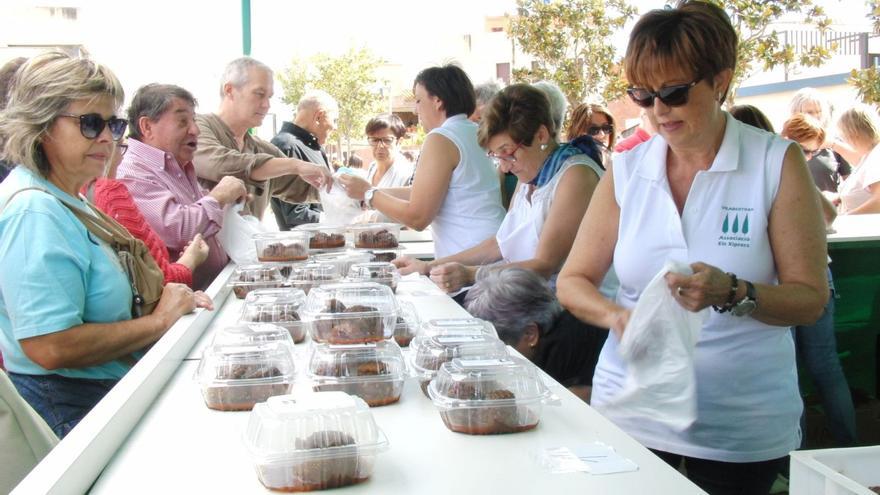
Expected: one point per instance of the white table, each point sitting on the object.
(180, 446)
(853, 228)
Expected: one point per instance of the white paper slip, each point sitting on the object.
(594, 458)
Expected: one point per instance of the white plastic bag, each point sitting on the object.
(339, 209)
(658, 348)
(237, 233)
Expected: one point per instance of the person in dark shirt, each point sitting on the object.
(304, 138)
(529, 318)
(827, 167)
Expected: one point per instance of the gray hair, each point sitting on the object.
(43, 88)
(317, 99)
(152, 101)
(805, 96)
(512, 298)
(558, 103)
(486, 91)
(236, 72)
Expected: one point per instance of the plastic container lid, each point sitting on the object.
(245, 333)
(313, 441)
(380, 272)
(459, 326)
(342, 260)
(429, 352)
(376, 235)
(407, 324)
(351, 313)
(278, 306)
(235, 377)
(291, 245)
(488, 396)
(307, 275)
(373, 372)
(246, 278)
(324, 236)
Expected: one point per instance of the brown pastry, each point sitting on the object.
(402, 334)
(349, 330)
(232, 397)
(283, 315)
(387, 257)
(251, 280)
(323, 472)
(321, 240)
(484, 419)
(278, 251)
(380, 239)
(374, 392)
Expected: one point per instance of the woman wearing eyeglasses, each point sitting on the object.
(556, 182)
(735, 203)
(65, 302)
(456, 190)
(597, 122)
(389, 168)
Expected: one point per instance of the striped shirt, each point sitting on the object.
(174, 204)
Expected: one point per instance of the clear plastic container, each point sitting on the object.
(407, 324)
(489, 396)
(350, 313)
(458, 326)
(278, 306)
(313, 441)
(246, 278)
(325, 237)
(234, 378)
(376, 235)
(244, 334)
(386, 256)
(429, 352)
(292, 245)
(373, 372)
(307, 275)
(380, 272)
(342, 260)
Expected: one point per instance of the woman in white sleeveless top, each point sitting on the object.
(455, 189)
(556, 182)
(724, 197)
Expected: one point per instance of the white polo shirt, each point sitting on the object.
(748, 404)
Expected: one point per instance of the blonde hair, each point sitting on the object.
(579, 122)
(802, 128)
(860, 124)
(43, 88)
(806, 96)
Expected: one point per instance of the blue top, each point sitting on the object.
(54, 274)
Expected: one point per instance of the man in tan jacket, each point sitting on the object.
(226, 147)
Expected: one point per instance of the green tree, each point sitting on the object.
(762, 46)
(867, 81)
(571, 42)
(350, 78)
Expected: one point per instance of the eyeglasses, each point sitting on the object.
(122, 148)
(594, 130)
(387, 141)
(508, 157)
(808, 153)
(671, 96)
(91, 125)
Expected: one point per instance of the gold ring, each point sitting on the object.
(680, 290)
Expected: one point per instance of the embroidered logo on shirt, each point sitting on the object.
(735, 227)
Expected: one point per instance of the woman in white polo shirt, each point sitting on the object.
(455, 189)
(725, 197)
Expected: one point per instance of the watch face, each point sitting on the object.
(744, 307)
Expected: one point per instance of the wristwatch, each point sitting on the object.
(746, 305)
(368, 197)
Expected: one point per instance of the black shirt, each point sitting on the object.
(827, 169)
(569, 350)
(296, 142)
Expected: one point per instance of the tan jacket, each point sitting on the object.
(218, 155)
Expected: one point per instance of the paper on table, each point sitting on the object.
(594, 458)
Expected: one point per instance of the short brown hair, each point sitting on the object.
(386, 121)
(751, 115)
(519, 110)
(803, 127)
(579, 122)
(695, 37)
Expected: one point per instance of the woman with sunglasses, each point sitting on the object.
(66, 326)
(455, 190)
(556, 182)
(735, 203)
(597, 122)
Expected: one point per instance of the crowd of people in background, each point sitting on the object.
(546, 222)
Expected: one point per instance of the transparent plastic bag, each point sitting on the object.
(658, 348)
(237, 233)
(339, 209)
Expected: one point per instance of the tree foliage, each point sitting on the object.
(350, 78)
(571, 43)
(761, 46)
(867, 81)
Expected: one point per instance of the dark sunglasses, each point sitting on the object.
(91, 125)
(671, 96)
(594, 130)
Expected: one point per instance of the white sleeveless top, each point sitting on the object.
(748, 404)
(471, 211)
(854, 190)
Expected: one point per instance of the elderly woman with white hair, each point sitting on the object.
(529, 318)
(829, 164)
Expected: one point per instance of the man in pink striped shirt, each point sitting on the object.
(159, 173)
